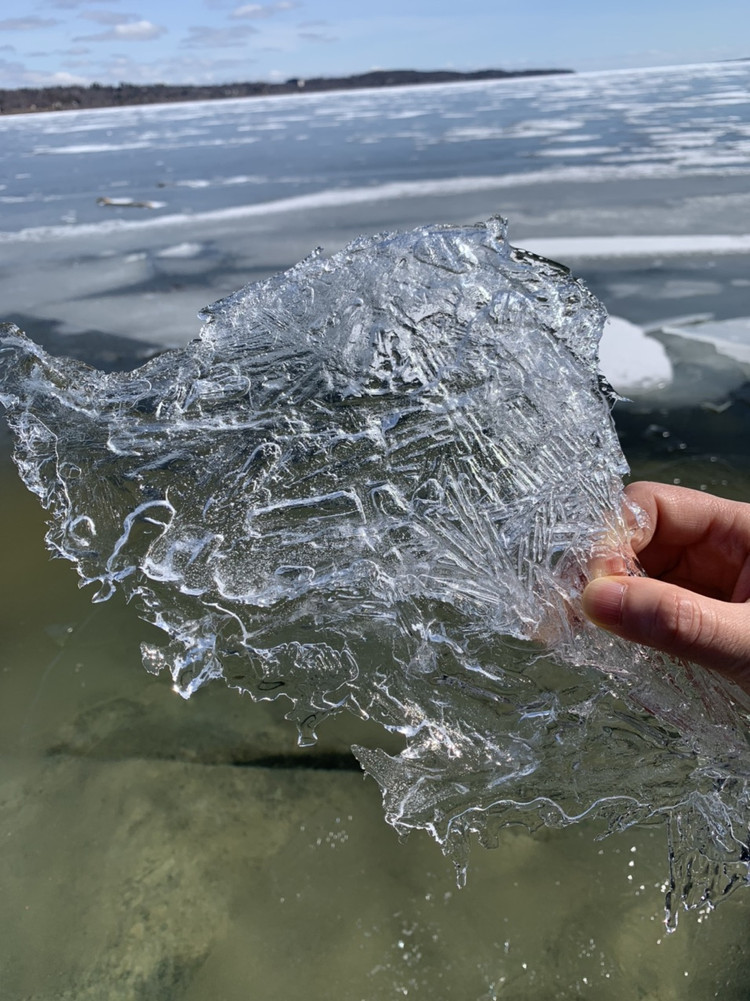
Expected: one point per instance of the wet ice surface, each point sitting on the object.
(375, 484)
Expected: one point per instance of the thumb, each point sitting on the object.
(715, 634)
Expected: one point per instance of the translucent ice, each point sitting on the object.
(375, 483)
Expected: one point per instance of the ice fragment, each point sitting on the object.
(375, 483)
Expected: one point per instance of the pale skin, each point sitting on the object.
(695, 602)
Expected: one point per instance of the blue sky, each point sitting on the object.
(47, 42)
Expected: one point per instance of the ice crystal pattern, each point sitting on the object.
(375, 483)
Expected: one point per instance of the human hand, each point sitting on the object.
(695, 603)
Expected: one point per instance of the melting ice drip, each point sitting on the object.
(375, 483)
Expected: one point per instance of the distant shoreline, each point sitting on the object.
(27, 100)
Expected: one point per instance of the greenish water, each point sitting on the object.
(161, 849)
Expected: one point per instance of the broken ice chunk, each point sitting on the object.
(375, 483)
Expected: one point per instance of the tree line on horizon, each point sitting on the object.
(23, 100)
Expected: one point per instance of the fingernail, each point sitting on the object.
(602, 601)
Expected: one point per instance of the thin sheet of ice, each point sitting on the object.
(729, 337)
(375, 483)
(596, 247)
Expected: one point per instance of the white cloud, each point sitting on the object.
(261, 10)
(138, 30)
(201, 37)
(27, 23)
(132, 31)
